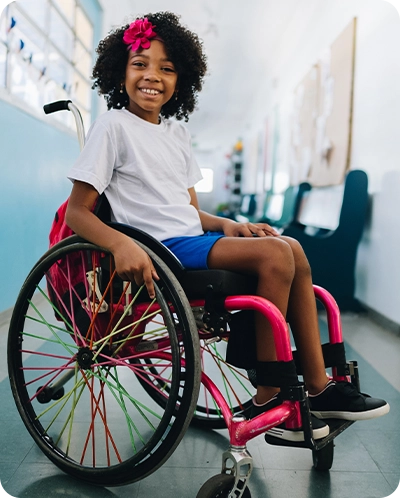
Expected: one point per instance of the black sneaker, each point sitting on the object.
(319, 429)
(342, 400)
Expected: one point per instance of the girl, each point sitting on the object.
(149, 71)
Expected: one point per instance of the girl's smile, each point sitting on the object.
(150, 81)
(150, 91)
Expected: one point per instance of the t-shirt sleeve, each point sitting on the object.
(95, 163)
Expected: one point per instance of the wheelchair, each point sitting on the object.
(107, 380)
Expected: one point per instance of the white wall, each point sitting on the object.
(376, 125)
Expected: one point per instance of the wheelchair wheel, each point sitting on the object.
(219, 486)
(323, 458)
(232, 382)
(76, 335)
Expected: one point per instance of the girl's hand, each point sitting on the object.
(133, 264)
(249, 230)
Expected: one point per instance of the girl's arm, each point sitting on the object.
(231, 228)
(131, 261)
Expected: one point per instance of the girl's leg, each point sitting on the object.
(271, 259)
(284, 278)
(303, 319)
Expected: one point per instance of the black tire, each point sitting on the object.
(219, 486)
(96, 423)
(232, 382)
(323, 458)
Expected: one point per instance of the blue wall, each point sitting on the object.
(35, 159)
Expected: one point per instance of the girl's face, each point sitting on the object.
(150, 81)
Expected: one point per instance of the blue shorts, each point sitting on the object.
(193, 252)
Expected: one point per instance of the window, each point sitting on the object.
(206, 185)
(46, 51)
(67, 8)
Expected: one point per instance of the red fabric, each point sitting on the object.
(57, 275)
(59, 229)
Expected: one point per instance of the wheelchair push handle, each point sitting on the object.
(59, 105)
(67, 105)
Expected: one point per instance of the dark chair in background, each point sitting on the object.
(332, 252)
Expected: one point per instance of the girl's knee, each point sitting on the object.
(300, 259)
(278, 262)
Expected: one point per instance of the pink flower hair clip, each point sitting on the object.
(139, 34)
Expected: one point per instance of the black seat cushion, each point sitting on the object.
(194, 282)
(225, 283)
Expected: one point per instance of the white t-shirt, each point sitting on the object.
(144, 170)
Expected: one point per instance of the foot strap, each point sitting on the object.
(276, 373)
(334, 356)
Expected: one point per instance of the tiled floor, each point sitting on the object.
(366, 463)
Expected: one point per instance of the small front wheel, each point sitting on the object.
(220, 486)
(323, 458)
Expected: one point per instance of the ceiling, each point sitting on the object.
(247, 43)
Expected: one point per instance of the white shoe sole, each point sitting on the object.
(370, 414)
(297, 436)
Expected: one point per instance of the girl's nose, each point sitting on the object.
(152, 75)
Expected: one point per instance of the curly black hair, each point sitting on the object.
(184, 49)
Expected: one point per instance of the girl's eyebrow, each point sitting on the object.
(135, 54)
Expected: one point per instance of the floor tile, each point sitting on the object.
(394, 482)
(313, 484)
(7, 470)
(380, 346)
(383, 448)
(40, 480)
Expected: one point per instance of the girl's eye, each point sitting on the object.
(169, 69)
(138, 64)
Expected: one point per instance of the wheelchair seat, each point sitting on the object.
(194, 282)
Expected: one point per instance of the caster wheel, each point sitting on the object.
(219, 486)
(323, 458)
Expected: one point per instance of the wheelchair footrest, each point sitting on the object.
(336, 426)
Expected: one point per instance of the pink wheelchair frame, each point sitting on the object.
(293, 413)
